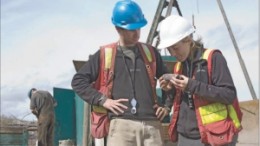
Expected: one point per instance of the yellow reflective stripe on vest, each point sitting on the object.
(108, 57)
(206, 54)
(233, 115)
(99, 109)
(212, 113)
(147, 53)
(216, 112)
(177, 66)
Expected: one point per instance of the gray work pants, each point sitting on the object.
(124, 132)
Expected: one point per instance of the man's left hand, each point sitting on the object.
(161, 112)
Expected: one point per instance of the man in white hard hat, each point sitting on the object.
(203, 89)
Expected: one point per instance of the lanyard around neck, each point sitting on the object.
(132, 80)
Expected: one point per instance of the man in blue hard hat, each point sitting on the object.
(130, 98)
(42, 106)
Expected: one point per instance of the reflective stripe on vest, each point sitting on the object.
(206, 54)
(108, 57)
(147, 53)
(216, 112)
(177, 67)
(233, 114)
(212, 113)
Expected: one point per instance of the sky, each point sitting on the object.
(39, 40)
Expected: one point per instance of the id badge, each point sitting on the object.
(133, 103)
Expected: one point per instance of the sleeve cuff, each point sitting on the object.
(167, 108)
(102, 100)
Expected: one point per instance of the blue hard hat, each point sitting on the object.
(128, 15)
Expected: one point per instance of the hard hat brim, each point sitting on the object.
(132, 26)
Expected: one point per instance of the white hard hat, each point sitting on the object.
(173, 29)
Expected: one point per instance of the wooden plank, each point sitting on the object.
(12, 129)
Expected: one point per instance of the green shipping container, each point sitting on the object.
(65, 124)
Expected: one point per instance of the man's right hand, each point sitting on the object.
(115, 106)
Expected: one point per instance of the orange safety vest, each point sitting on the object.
(217, 122)
(104, 82)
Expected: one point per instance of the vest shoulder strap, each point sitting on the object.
(207, 55)
(107, 56)
(148, 54)
(104, 81)
(177, 68)
(106, 69)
